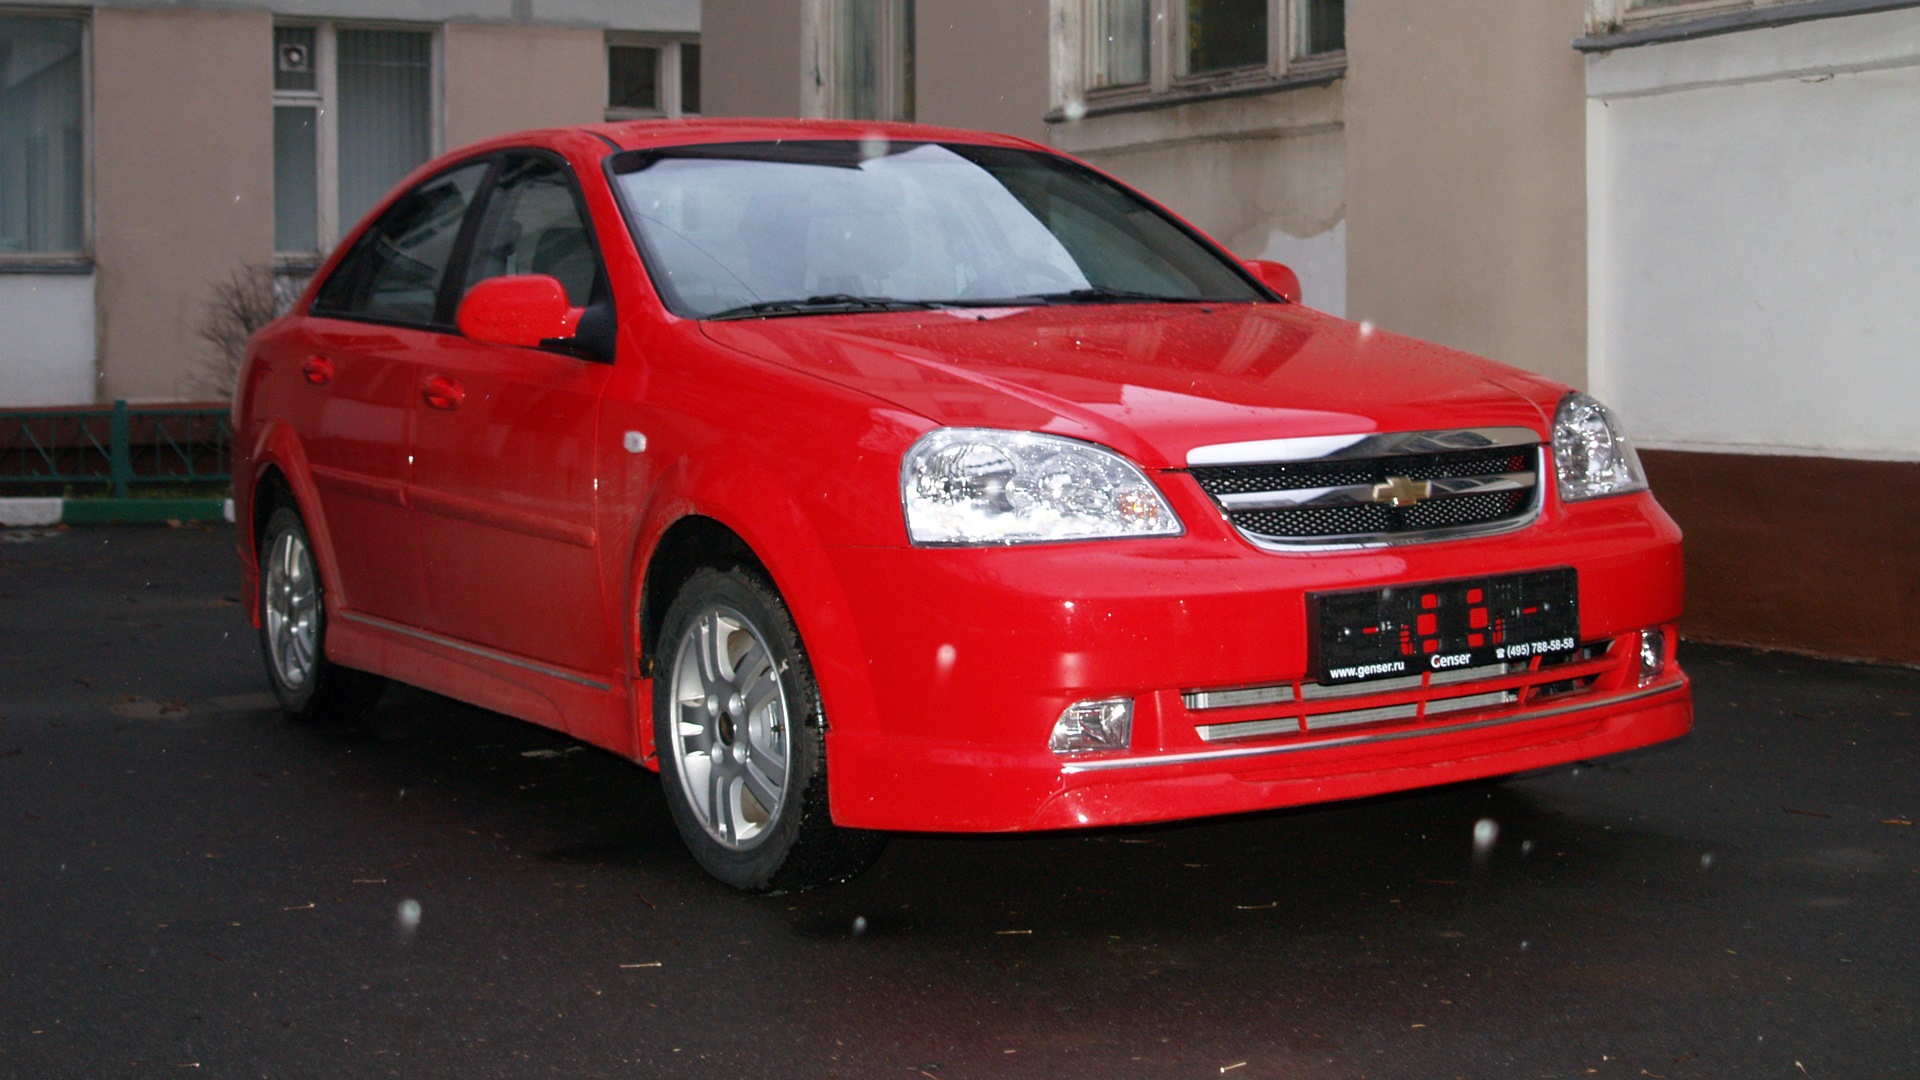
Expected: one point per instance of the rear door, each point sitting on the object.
(505, 461)
(358, 378)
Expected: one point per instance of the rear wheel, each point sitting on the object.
(741, 739)
(293, 632)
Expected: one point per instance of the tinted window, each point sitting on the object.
(395, 270)
(532, 225)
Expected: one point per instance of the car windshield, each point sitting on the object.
(745, 230)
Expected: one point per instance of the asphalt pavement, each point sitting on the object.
(190, 886)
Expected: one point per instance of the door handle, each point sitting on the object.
(442, 392)
(317, 370)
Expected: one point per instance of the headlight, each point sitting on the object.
(984, 486)
(1591, 455)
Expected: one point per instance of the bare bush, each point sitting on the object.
(249, 299)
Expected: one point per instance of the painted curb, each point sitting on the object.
(22, 513)
(18, 513)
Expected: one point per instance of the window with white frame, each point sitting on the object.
(649, 75)
(862, 59)
(1146, 48)
(354, 110)
(42, 138)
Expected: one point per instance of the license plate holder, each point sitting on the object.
(1362, 634)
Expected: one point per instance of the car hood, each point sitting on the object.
(1153, 381)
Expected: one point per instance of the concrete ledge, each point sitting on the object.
(1760, 18)
(20, 513)
(15, 513)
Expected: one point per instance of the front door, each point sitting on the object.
(505, 451)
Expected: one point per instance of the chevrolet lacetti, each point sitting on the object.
(870, 478)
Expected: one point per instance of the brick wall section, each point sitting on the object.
(1818, 555)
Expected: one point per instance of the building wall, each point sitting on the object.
(1465, 189)
(1265, 175)
(1753, 232)
(982, 64)
(180, 126)
(750, 57)
(46, 346)
(1755, 238)
(556, 76)
(183, 183)
(676, 16)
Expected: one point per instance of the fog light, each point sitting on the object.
(1093, 725)
(1653, 655)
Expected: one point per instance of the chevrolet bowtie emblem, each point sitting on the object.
(1401, 491)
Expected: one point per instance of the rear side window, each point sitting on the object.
(395, 270)
(532, 225)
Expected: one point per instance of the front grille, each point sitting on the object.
(1463, 489)
(1466, 510)
(1314, 521)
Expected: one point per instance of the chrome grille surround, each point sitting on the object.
(1317, 492)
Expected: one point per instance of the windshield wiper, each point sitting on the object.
(827, 304)
(1106, 294)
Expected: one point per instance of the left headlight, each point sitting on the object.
(1591, 454)
(986, 486)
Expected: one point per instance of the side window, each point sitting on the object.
(395, 270)
(532, 225)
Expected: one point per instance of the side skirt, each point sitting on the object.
(587, 706)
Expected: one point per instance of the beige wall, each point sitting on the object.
(750, 57)
(511, 78)
(982, 64)
(979, 63)
(1264, 175)
(1466, 184)
(183, 183)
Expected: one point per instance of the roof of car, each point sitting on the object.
(638, 134)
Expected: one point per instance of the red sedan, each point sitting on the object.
(871, 478)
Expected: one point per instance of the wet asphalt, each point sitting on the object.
(190, 886)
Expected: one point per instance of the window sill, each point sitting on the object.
(1110, 106)
(46, 264)
(1734, 22)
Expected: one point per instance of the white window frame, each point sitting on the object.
(672, 98)
(818, 99)
(66, 261)
(324, 98)
(1075, 58)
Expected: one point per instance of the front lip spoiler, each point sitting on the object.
(1150, 761)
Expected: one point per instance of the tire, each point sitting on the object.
(738, 725)
(293, 632)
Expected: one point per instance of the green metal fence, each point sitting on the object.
(115, 446)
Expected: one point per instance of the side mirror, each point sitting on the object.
(1277, 276)
(527, 310)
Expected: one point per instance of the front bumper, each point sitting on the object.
(970, 655)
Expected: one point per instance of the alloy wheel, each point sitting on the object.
(729, 721)
(292, 609)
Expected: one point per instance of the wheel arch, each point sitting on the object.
(692, 542)
(279, 477)
(780, 544)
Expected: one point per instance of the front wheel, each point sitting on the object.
(293, 632)
(741, 738)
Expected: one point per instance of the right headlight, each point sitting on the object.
(1591, 454)
(988, 486)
